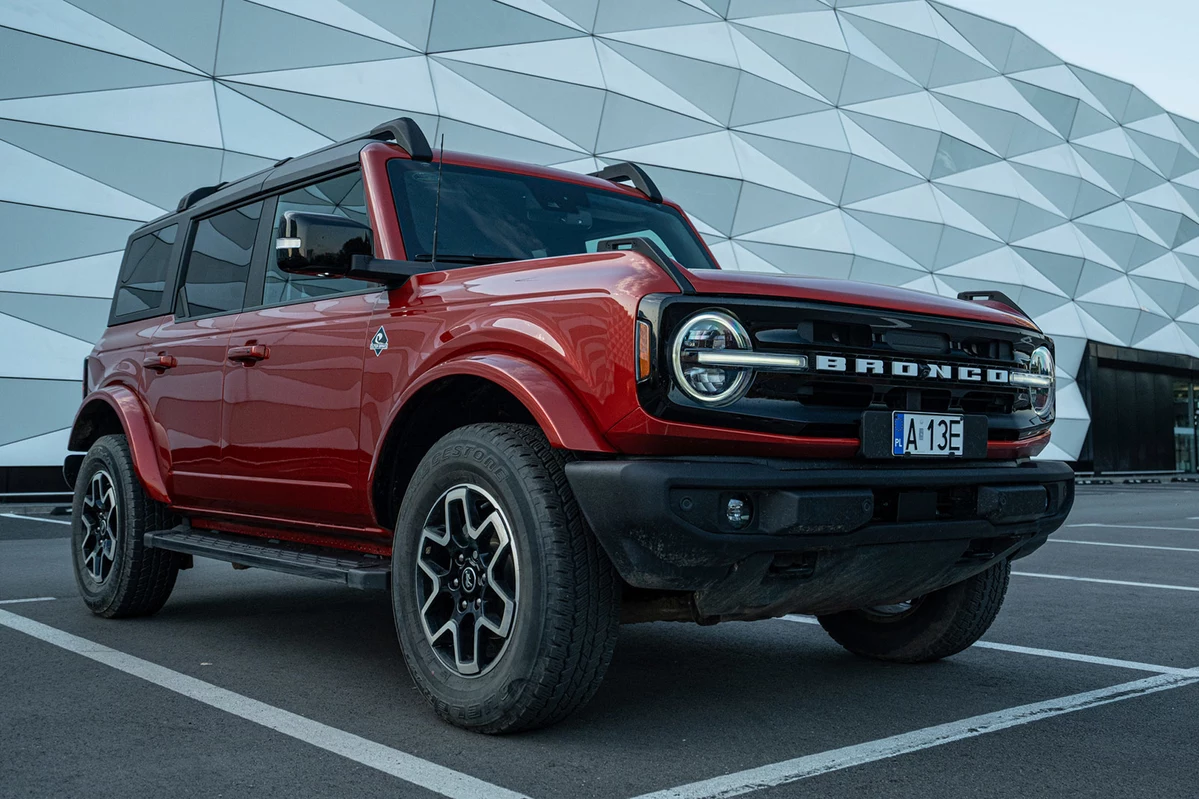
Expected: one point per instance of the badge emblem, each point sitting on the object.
(379, 342)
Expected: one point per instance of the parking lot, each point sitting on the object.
(256, 684)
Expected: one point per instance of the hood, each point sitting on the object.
(848, 292)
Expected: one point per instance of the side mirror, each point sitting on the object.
(320, 244)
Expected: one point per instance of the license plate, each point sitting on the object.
(926, 434)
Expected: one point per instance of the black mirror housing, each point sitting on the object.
(320, 244)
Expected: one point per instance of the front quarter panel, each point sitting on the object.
(571, 318)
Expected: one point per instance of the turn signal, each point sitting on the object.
(643, 350)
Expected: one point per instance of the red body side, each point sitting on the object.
(294, 439)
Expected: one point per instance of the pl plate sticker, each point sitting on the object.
(379, 342)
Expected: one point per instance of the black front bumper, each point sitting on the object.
(822, 536)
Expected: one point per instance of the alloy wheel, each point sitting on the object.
(101, 526)
(467, 580)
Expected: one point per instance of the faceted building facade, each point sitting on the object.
(906, 143)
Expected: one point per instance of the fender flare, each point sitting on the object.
(136, 424)
(560, 415)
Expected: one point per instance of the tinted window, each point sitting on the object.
(341, 196)
(143, 275)
(503, 216)
(220, 262)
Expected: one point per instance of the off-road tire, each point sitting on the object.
(568, 609)
(943, 623)
(140, 579)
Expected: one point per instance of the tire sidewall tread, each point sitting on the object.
(568, 609)
(142, 578)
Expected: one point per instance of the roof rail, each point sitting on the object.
(407, 134)
(633, 174)
(195, 195)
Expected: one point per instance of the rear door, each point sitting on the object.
(294, 381)
(185, 362)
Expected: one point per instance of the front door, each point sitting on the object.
(293, 383)
(186, 357)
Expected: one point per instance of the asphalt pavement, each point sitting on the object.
(250, 683)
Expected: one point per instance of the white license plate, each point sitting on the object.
(926, 434)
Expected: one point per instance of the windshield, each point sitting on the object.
(488, 216)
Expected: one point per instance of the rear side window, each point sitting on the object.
(219, 265)
(144, 273)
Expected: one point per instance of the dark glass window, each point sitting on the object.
(220, 262)
(487, 215)
(144, 273)
(340, 196)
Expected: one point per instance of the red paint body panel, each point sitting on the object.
(288, 445)
(187, 404)
(290, 421)
(570, 344)
(845, 292)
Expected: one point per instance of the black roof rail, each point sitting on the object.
(407, 134)
(195, 195)
(633, 174)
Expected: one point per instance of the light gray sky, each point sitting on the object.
(1152, 44)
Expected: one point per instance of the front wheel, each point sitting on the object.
(506, 607)
(927, 628)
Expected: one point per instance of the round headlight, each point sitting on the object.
(713, 384)
(1041, 363)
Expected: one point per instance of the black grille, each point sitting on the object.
(831, 403)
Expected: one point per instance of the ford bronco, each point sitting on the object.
(529, 405)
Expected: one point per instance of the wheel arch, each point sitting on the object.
(494, 387)
(117, 410)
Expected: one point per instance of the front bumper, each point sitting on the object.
(824, 536)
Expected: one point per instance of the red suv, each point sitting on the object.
(530, 405)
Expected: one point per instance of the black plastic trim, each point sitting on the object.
(353, 569)
(407, 134)
(633, 174)
(640, 514)
(648, 248)
(993, 296)
(195, 195)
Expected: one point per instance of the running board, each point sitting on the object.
(354, 569)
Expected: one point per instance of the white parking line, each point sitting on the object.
(1122, 546)
(1107, 582)
(1046, 653)
(23, 601)
(412, 769)
(1135, 527)
(800, 768)
(1079, 658)
(34, 518)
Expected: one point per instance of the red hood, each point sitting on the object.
(848, 292)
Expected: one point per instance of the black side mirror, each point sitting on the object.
(320, 244)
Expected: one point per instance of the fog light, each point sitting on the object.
(739, 511)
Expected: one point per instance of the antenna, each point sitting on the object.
(437, 201)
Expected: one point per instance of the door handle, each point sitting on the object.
(160, 362)
(249, 354)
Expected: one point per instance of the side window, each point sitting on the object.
(143, 275)
(340, 196)
(215, 281)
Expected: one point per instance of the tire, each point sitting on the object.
(551, 581)
(935, 626)
(118, 576)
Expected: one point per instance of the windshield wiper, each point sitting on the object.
(452, 258)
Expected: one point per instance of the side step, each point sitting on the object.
(356, 570)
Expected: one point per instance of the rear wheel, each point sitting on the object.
(117, 574)
(506, 608)
(926, 628)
